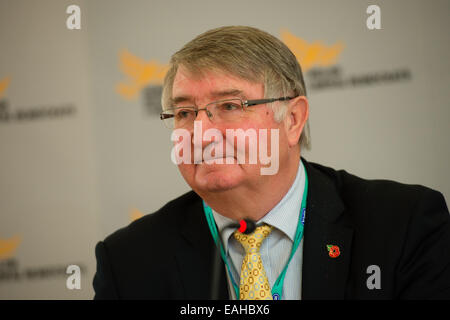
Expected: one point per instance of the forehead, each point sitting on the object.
(211, 85)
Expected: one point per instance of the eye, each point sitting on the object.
(229, 106)
(183, 113)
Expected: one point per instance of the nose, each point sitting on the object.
(206, 112)
(203, 122)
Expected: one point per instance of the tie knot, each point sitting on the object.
(253, 240)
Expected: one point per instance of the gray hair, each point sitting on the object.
(248, 53)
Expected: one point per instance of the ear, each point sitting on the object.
(295, 120)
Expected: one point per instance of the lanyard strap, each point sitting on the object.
(215, 234)
(277, 289)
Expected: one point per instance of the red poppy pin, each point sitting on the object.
(333, 251)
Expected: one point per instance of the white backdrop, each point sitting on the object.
(83, 151)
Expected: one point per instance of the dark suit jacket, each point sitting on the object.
(402, 229)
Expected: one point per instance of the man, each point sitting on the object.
(313, 232)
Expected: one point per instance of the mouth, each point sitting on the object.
(217, 160)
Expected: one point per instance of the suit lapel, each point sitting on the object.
(195, 255)
(325, 275)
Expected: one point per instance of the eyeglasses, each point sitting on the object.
(222, 111)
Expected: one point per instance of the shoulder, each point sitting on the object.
(143, 252)
(164, 223)
(383, 204)
(380, 193)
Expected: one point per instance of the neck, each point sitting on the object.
(254, 203)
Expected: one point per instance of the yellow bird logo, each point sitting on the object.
(140, 74)
(9, 246)
(311, 54)
(4, 84)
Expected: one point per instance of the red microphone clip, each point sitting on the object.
(243, 226)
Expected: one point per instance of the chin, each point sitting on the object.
(216, 178)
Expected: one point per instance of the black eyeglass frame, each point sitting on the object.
(246, 103)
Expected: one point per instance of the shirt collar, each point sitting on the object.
(281, 216)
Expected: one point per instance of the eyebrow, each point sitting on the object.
(215, 94)
(227, 93)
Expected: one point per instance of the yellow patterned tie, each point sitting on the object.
(254, 284)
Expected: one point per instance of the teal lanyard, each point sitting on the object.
(277, 289)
